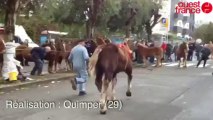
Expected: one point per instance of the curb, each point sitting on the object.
(34, 82)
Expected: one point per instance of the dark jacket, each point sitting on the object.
(205, 52)
(198, 48)
(169, 49)
(38, 53)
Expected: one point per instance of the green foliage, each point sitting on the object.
(204, 32)
(143, 8)
(68, 16)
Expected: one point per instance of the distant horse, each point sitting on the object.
(145, 52)
(64, 49)
(23, 54)
(111, 60)
(182, 52)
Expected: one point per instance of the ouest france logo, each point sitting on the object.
(193, 7)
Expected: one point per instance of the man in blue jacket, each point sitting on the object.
(80, 58)
(38, 55)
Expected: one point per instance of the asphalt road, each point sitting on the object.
(167, 93)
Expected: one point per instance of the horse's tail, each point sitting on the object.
(93, 61)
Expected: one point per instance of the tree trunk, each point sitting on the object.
(10, 18)
(129, 22)
(148, 31)
(128, 31)
(89, 30)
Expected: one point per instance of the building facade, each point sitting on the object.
(181, 24)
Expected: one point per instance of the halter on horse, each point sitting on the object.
(111, 60)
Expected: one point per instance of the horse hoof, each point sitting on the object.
(103, 112)
(128, 94)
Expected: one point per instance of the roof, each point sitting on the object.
(54, 32)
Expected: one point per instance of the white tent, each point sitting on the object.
(21, 33)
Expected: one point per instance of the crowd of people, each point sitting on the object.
(80, 58)
(201, 51)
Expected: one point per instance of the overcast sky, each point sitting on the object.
(202, 16)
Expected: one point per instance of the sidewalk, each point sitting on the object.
(5, 86)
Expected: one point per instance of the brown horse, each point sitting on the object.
(111, 60)
(63, 51)
(182, 52)
(60, 54)
(23, 54)
(145, 52)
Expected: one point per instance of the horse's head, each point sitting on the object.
(60, 45)
(183, 47)
(100, 41)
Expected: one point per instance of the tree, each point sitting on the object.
(134, 16)
(204, 32)
(10, 18)
(12, 8)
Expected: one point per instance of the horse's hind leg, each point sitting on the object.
(129, 73)
(145, 62)
(113, 82)
(103, 104)
(179, 63)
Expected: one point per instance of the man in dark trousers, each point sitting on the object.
(38, 55)
(204, 55)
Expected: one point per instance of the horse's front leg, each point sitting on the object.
(56, 65)
(185, 66)
(103, 103)
(129, 73)
(179, 63)
(145, 61)
(66, 64)
(157, 62)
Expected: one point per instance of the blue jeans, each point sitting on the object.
(82, 77)
(37, 67)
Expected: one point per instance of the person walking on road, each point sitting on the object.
(38, 55)
(205, 52)
(80, 58)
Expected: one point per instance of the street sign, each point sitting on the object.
(164, 20)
